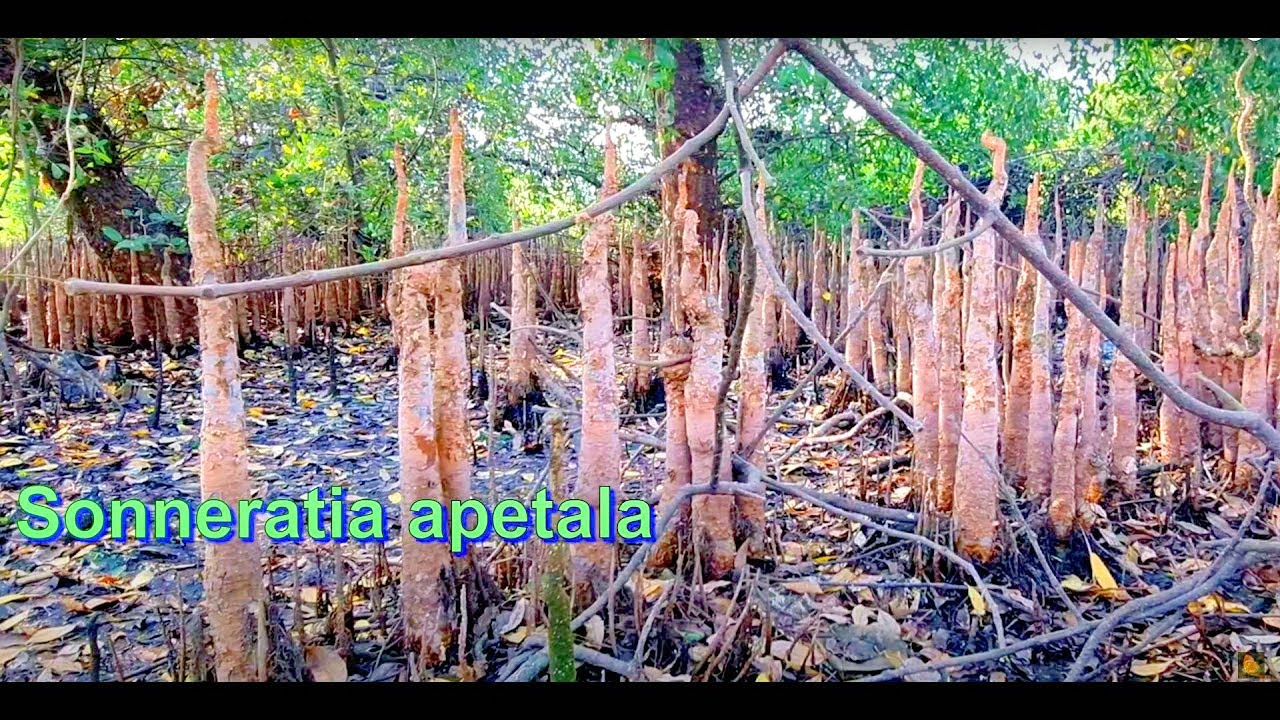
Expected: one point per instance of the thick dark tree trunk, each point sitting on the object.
(697, 102)
(351, 153)
(110, 199)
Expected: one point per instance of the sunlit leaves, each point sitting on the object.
(535, 110)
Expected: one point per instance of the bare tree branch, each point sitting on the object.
(421, 257)
(1034, 253)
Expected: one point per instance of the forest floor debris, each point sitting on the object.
(835, 601)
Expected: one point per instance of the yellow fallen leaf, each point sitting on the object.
(10, 462)
(44, 467)
(1101, 575)
(142, 579)
(1230, 606)
(517, 636)
(762, 677)
(395, 498)
(1206, 604)
(653, 589)
(1251, 667)
(1150, 669)
(1075, 584)
(1214, 603)
(13, 597)
(979, 603)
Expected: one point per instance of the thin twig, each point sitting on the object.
(981, 227)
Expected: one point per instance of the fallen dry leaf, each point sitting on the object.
(845, 576)
(14, 621)
(325, 664)
(142, 579)
(7, 654)
(792, 552)
(595, 631)
(46, 635)
(1075, 584)
(653, 588)
(804, 587)
(1214, 603)
(1150, 669)
(62, 665)
(1101, 575)
(798, 654)
(979, 603)
(1250, 667)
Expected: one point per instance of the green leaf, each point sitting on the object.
(136, 243)
(634, 56)
(113, 235)
(664, 56)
